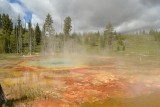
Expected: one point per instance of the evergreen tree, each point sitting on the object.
(37, 34)
(108, 33)
(7, 30)
(30, 37)
(67, 26)
(33, 40)
(48, 26)
(16, 39)
(48, 37)
(19, 35)
(120, 42)
(0, 21)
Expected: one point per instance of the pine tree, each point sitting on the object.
(67, 26)
(48, 37)
(15, 42)
(20, 35)
(16, 38)
(48, 26)
(7, 30)
(33, 40)
(0, 21)
(108, 33)
(30, 37)
(37, 34)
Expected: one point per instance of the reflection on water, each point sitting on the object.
(54, 63)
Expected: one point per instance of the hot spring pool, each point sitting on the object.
(52, 63)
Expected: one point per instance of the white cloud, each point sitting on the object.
(35, 20)
(13, 9)
(92, 15)
(131, 26)
(40, 9)
(18, 9)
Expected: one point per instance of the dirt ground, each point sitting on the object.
(93, 81)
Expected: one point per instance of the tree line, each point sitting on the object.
(18, 39)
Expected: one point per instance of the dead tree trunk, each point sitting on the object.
(2, 96)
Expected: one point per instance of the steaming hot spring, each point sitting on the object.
(75, 80)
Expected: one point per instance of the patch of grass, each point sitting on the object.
(136, 45)
(22, 92)
(9, 56)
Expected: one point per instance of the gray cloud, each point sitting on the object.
(150, 2)
(95, 14)
(125, 15)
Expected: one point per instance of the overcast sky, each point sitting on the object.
(88, 15)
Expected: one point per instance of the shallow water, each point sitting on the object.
(54, 63)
